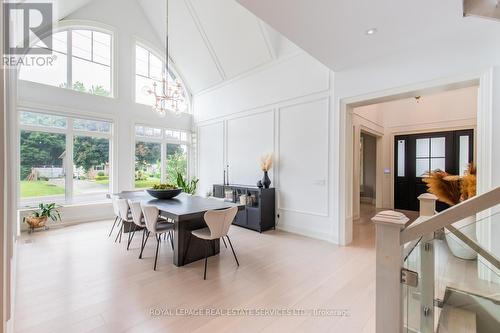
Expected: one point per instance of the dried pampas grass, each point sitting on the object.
(469, 183)
(444, 187)
(452, 189)
(266, 162)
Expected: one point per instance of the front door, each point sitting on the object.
(417, 154)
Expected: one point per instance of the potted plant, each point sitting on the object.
(39, 217)
(187, 186)
(452, 190)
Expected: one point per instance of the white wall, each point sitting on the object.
(211, 162)
(283, 108)
(126, 18)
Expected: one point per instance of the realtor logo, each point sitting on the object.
(24, 25)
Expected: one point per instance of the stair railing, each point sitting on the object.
(396, 238)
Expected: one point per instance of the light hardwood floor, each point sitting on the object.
(76, 279)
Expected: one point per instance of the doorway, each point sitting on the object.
(348, 116)
(418, 154)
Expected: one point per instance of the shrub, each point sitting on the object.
(99, 177)
(140, 175)
(101, 174)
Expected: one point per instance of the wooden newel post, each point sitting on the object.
(427, 204)
(388, 304)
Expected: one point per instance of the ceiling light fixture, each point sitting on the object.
(371, 31)
(170, 97)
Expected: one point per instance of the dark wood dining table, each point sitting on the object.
(187, 212)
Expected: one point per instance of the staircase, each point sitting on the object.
(440, 292)
(456, 320)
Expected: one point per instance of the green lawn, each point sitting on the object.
(146, 183)
(102, 182)
(39, 188)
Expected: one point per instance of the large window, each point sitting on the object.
(160, 154)
(82, 62)
(149, 71)
(63, 159)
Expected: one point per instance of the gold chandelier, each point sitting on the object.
(169, 95)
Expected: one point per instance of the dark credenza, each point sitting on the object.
(259, 213)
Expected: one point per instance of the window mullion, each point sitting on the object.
(69, 62)
(69, 162)
(92, 46)
(149, 64)
(164, 162)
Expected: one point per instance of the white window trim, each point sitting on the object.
(70, 135)
(68, 25)
(163, 142)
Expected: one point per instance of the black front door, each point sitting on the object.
(417, 154)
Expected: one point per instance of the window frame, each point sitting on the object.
(70, 134)
(172, 72)
(69, 26)
(430, 157)
(163, 141)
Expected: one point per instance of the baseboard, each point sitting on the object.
(74, 214)
(9, 326)
(59, 225)
(307, 233)
(368, 200)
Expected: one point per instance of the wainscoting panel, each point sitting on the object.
(248, 138)
(303, 147)
(210, 156)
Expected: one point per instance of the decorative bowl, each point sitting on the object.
(164, 194)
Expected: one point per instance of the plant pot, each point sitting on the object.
(36, 222)
(459, 249)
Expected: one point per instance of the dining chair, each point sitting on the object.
(218, 222)
(116, 211)
(138, 219)
(125, 217)
(156, 226)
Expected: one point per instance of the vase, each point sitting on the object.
(459, 249)
(266, 181)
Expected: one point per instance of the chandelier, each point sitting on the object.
(168, 95)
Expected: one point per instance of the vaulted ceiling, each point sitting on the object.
(213, 41)
(334, 31)
(210, 41)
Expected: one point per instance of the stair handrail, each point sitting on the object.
(395, 239)
(454, 214)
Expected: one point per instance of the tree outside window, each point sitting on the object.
(147, 164)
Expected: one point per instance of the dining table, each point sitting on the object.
(187, 213)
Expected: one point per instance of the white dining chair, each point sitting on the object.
(156, 226)
(218, 222)
(138, 219)
(116, 212)
(125, 217)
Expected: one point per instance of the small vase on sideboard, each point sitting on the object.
(266, 181)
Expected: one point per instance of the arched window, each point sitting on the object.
(82, 61)
(151, 69)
